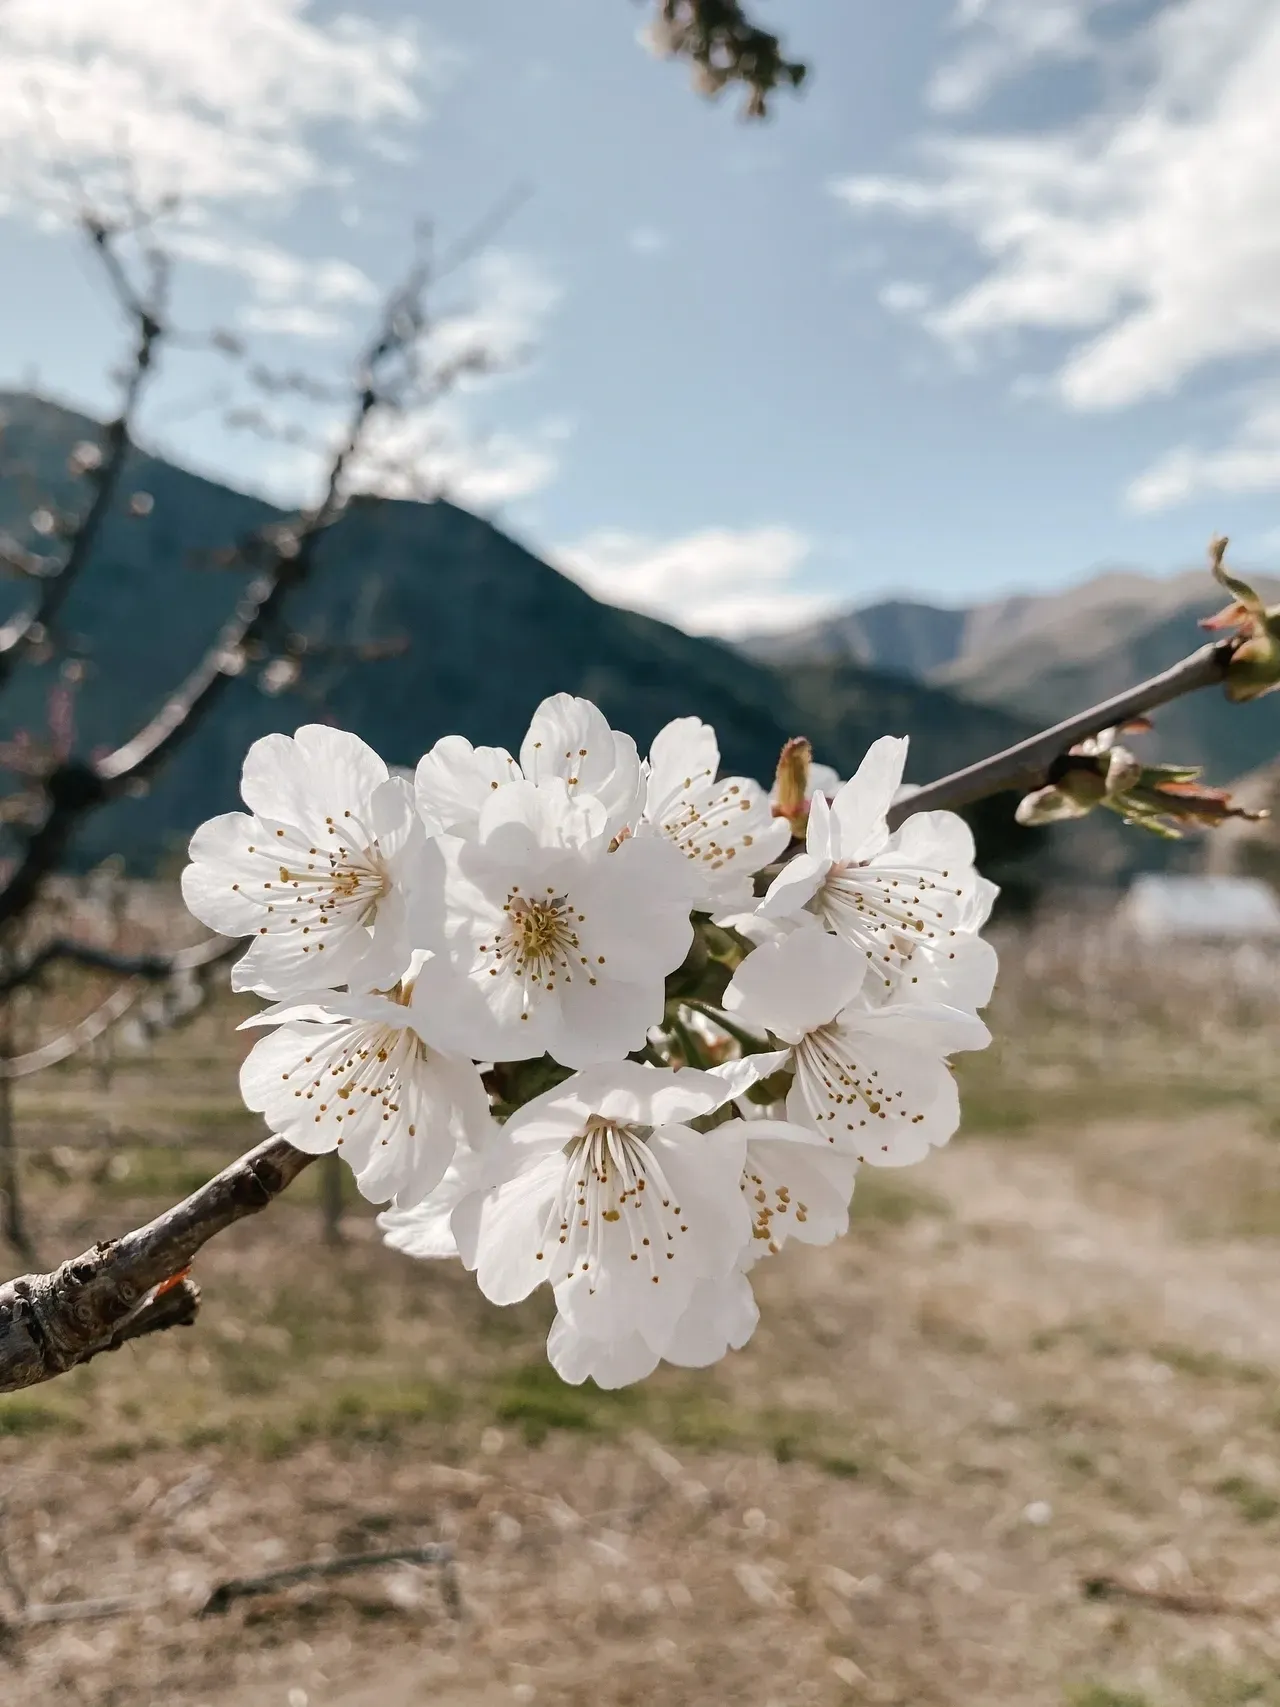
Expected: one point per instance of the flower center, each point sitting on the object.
(843, 1094)
(539, 941)
(889, 914)
(615, 1204)
(357, 1073)
(346, 876)
(768, 1199)
(709, 830)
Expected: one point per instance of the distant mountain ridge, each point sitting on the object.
(491, 628)
(1042, 657)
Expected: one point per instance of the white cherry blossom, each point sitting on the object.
(425, 1229)
(961, 970)
(330, 857)
(453, 781)
(795, 1186)
(896, 897)
(569, 740)
(721, 1316)
(356, 1074)
(613, 1199)
(726, 829)
(553, 941)
(874, 1081)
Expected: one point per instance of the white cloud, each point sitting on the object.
(1002, 38)
(1249, 462)
(439, 453)
(225, 105)
(1147, 233)
(215, 100)
(722, 581)
(509, 299)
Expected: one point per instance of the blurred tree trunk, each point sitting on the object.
(15, 1227)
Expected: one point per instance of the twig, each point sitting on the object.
(77, 787)
(69, 1043)
(120, 1289)
(79, 1611)
(436, 1553)
(1029, 764)
(154, 968)
(55, 588)
(1194, 1603)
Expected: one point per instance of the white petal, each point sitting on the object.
(637, 902)
(453, 781)
(500, 1232)
(979, 898)
(797, 1184)
(646, 1287)
(794, 886)
(721, 1316)
(684, 756)
(859, 808)
(930, 1026)
(874, 1096)
(570, 739)
(319, 771)
(795, 985)
(526, 815)
(222, 886)
(932, 841)
(629, 1092)
(612, 1363)
(962, 975)
(425, 1230)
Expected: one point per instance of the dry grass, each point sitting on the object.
(1046, 1358)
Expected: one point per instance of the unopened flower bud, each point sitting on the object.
(1074, 796)
(791, 784)
(1254, 665)
(1123, 771)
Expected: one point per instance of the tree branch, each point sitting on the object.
(152, 967)
(1030, 763)
(125, 1288)
(433, 1553)
(56, 587)
(78, 787)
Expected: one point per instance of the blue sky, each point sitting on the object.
(994, 303)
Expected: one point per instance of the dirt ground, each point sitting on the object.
(1015, 1441)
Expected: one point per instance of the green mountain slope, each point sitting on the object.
(491, 630)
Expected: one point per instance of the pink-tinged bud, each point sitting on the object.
(791, 784)
(1254, 665)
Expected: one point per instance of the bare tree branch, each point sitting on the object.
(153, 968)
(124, 1288)
(1030, 763)
(77, 787)
(145, 313)
(433, 1553)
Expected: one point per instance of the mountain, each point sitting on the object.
(1043, 657)
(490, 630)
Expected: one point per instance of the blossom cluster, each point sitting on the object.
(597, 1021)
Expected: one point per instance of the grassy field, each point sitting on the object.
(1015, 1441)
